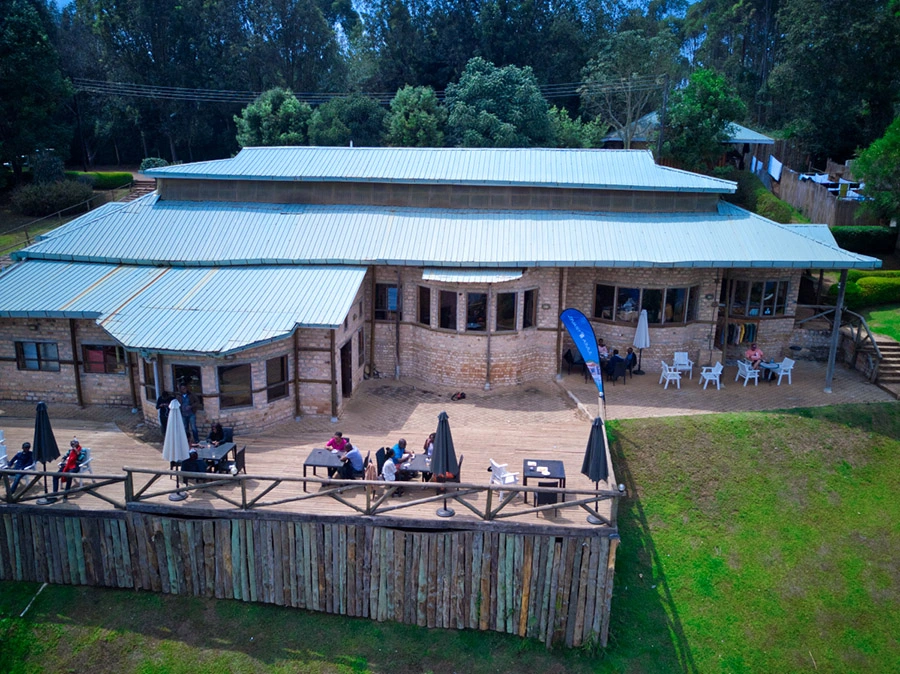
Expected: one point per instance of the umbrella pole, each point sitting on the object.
(445, 511)
(178, 495)
(46, 500)
(594, 519)
(640, 355)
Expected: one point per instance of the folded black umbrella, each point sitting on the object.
(443, 458)
(44, 445)
(595, 466)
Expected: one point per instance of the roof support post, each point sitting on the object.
(835, 331)
(563, 278)
(296, 373)
(397, 326)
(372, 322)
(132, 371)
(79, 397)
(334, 395)
(487, 321)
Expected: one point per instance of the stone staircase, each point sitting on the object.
(889, 370)
(141, 187)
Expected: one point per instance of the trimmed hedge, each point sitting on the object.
(866, 239)
(855, 274)
(153, 162)
(103, 180)
(40, 200)
(869, 291)
(770, 206)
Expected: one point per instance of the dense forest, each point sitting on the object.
(113, 81)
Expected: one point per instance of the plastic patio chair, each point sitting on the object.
(683, 364)
(669, 374)
(785, 368)
(747, 372)
(711, 374)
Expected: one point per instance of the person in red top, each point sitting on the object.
(754, 355)
(69, 464)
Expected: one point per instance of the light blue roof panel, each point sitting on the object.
(646, 126)
(471, 275)
(574, 168)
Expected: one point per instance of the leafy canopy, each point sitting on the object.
(275, 118)
(879, 167)
(355, 118)
(497, 107)
(416, 118)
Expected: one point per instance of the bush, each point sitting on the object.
(869, 291)
(153, 162)
(109, 180)
(856, 274)
(771, 207)
(40, 200)
(866, 239)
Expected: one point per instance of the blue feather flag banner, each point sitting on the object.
(582, 333)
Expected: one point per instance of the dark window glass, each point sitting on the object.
(740, 298)
(448, 310)
(506, 311)
(529, 311)
(754, 306)
(476, 312)
(387, 301)
(104, 359)
(276, 378)
(693, 301)
(149, 382)
(652, 302)
(604, 299)
(189, 375)
(676, 303)
(37, 356)
(424, 305)
(628, 304)
(781, 297)
(361, 347)
(235, 388)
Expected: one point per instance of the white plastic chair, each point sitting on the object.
(501, 476)
(785, 369)
(711, 373)
(683, 364)
(84, 467)
(747, 372)
(4, 462)
(669, 374)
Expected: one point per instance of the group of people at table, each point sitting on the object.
(608, 362)
(353, 465)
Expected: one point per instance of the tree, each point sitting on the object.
(355, 118)
(699, 119)
(416, 118)
(569, 132)
(275, 118)
(879, 167)
(626, 79)
(32, 87)
(497, 107)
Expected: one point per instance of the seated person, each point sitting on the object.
(400, 453)
(352, 467)
(194, 464)
(389, 472)
(755, 355)
(428, 447)
(337, 442)
(216, 435)
(611, 365)
(602, 350)
(69, 464)
(630, 359)
(20, 461)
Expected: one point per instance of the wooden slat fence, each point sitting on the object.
(554, 587)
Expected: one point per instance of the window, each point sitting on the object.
(104, 359)
(672, 306)
(276, 378)
(235, 388)
(675, 305)
(361, 347)
(652, 302)
(190, 376)
(424, 305)
(37, 356)
(753, 299)
(529, 314)
(447, 310)
(150, 381)
(604, 300)
(476, 312)
(628, 305)
(506, 311)
(387, 302)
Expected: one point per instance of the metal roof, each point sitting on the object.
(471, 275)
(219, 234)
(213, 310)
(573, 168)
(649, 123)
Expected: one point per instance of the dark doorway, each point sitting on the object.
(347, 369)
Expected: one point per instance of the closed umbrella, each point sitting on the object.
(44, 445)
(443, 458)
(595, 466)
(642, 338)
(175, 446)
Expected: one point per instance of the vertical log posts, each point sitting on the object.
(835, 331)
(296, 374)
(334, 398)
(487, 325)
(79, 397)
(559, 309)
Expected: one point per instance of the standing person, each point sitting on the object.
(189, 403)
(20, 461)
(755, 355)
(69, 464)
(162, 409)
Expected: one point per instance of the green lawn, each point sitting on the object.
(884, 320)
(750, 543)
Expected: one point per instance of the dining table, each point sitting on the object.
(544, 469)
(322, 458)
(771, 370)
(214, 454)
(420, 463)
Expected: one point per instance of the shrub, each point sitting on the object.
(866, 239)
(869, 291)
(40, 200)
(153, 162)
(856, 274)
(108, 180)
(771, 207)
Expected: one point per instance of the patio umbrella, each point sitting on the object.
(443, 458)
(44, 445)
(595, 466)
(642, 338)
(175, 446)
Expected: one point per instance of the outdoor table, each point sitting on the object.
(556, 470)
(321, 458)
(771, 369)
(212, 454)
(418, 464)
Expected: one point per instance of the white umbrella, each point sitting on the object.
(175, 447)
(642, 338)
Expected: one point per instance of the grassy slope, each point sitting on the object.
(884, 320)
(757, 543)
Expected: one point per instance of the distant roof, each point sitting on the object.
(573, 168)
(649, 123)
(442, 275)
(221, 234)
(183, 310)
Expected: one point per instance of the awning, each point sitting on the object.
(471, 275)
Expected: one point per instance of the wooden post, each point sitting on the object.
(559, 310)
(372, 323)
(131, 373)
(608, 589)
(78, 395)
(835, 331)
(487, 326)
(129, 487)
(334, 399)
(397, 326)
(296, 373)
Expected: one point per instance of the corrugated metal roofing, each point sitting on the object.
(739, 134)
(471, 275)
(649, 124)
(596, 169)
(215, 310)
(225, 234)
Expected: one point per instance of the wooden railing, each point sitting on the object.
(29, 489)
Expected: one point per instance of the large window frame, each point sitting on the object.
(103, 359)
(190, 375)
(424, 313)
(757, 298)
(477, 311)
(37, 356)
(235, 385)
(150, 381)
(529, 308)
(669, 306)
(448, 305)
(277, 378)
(387, 302)
(506, 313)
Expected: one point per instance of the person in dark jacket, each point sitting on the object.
(216, 434)
(189, 404)
(162, 410)
(20, 461)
